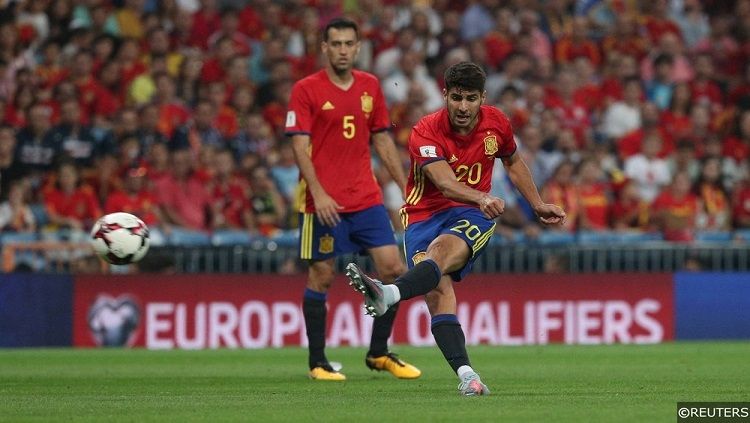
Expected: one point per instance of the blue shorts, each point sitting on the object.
(357, 231)
(467, 223)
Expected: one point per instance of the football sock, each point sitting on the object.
(419, 280)
(463, 371)
(381, 330)
(450, 338)
(314, 310)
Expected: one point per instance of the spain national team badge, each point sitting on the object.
(325, 246)
(416, 258)
(366, 102)
(490, 145)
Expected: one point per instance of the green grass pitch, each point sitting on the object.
(545, 383)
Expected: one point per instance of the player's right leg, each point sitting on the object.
(317, 247)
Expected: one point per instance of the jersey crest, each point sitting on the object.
(490, 145)
(366, 102)
(325, 246)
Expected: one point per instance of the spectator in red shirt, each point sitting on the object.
(657, 22)
(705, 90)
(230, 195)
(560, 190)
(206, 21)
(226, 119)
(676, 210)
(134, 197)
(214, 69)
(577, 43)
(499, 42)
(69, 204)
(229, 28)
(172, 111)
(572, 114)
(625, 38)
(183, 198)
(593, 197)
(630, 211)
(675, 120)
(129, 57)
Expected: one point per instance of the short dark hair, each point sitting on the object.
(465, 75)
(340, 23)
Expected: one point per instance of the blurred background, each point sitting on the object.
(632, 115)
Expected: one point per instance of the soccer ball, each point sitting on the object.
(120, 238)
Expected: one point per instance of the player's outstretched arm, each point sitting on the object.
(326, 208)
(442, 176)
(519, 173)
(386, 149)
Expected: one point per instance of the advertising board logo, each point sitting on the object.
(113, 321)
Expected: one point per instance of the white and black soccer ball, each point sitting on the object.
(120, 238)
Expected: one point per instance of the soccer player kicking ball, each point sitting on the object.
(333, 115)
(449, 214)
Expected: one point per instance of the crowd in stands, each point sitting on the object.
(632, 115)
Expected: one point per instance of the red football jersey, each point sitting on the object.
(470, 156)
(339, 123)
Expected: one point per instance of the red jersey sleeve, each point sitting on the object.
(299, 115)
(379, 121)
(424, 147)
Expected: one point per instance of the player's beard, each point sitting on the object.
(341, 69)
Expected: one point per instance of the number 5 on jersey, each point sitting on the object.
(349, 128)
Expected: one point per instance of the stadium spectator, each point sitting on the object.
(411, 72)
(650, 172)
(675, 210)
(159, 45)
(10, 169)
(267, 203)
(134, 197)
(199, 131)
(715, 211)
(577, 43)
(560, 190)
(704, 89)
(183, 197)
(675, 120)
(230, 195)
(625, 38)
(541, 163)
(71, 205)
(285, 173)
(659, 89)
(624, 116)
(77, 141)
(630, 212)
(36, 151)
(15, 213)
(476, 20)
(684, 160)
(593, 197)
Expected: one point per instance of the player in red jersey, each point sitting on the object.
(333, 116)
(449, 212)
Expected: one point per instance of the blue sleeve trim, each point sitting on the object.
(376, 130)
(291, 133)
(433, 160)
(511, 153)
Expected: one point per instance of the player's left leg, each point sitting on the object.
(388, 265)
(449, 336)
